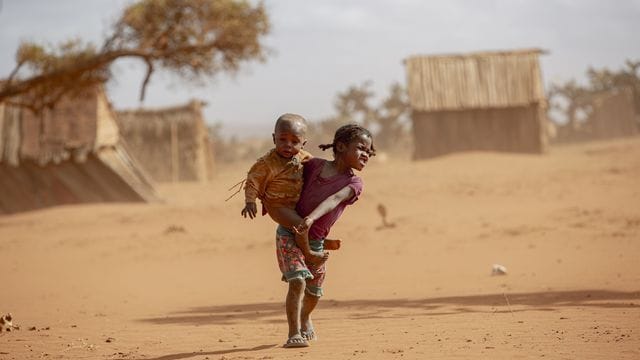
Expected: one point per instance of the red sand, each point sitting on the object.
(192, 279)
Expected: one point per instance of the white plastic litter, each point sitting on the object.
(498, 269)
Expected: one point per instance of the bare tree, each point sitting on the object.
(388, 120)
(573, 99)
(393, 119)
(191, 38)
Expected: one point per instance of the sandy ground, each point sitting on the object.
(191, 279)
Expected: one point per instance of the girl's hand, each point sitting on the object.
(304, 226)
(250, 209)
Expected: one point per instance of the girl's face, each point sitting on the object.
(356, 154)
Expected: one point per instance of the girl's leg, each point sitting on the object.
(309, 303)
(293, 308)
(292, 266)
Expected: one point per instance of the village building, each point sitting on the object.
(611, 114)
(70, 154)
(491, 101)
(172, 143)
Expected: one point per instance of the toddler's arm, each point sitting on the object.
(325, 206)
(256, 181)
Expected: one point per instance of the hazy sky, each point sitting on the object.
(319, 48)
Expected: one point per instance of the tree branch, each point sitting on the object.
(147, 77)
(15, 71)
(73, 70)
(178, 35)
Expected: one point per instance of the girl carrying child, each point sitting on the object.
(329, 186)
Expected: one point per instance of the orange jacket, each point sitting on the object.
(275, 180)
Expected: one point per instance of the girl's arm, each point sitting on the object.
(325, 207)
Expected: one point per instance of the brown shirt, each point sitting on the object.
(275, 180)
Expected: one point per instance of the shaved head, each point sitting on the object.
(291, 123)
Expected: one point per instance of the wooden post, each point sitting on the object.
(175, 162)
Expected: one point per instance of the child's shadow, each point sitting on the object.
(386, 226)
(205, 353)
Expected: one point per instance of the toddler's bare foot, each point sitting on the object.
(332, 244)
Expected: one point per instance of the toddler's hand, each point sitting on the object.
(304, 226)
(250, 209)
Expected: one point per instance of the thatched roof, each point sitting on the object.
(474, 81)
(151, 118)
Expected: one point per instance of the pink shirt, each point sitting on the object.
(316, 189)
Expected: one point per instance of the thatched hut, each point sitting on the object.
(172, 143)
(70, 154)
(611, 115)
(477, 101)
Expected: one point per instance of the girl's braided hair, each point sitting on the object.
(347, 133)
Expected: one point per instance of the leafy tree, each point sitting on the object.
(191, 38)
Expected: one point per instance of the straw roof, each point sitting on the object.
(480, 80)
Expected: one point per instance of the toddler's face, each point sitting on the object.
(288, 142)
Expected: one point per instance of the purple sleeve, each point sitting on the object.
(357, 185)
(310, 166)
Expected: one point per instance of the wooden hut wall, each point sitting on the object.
(204, 157)
(171, 144)
(613, 116)
(55, 159)
(515, 129)
(56, 134)
(10, 134)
